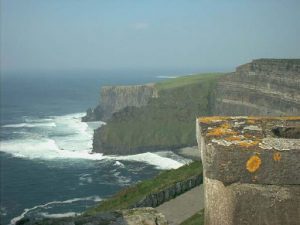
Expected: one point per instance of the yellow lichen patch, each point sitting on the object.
(211, 119)
(277, 156)
(224, 129)
(251, 121)
(255, 118)
(225, 125)
(248, 143)
(253, 163)
(233, 138)
(248, 136)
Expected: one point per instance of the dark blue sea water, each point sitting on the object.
(47, 169)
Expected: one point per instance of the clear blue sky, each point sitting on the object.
(146, 34)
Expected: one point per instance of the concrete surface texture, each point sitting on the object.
(183, 207)
(251, 169)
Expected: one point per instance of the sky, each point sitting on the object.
(204, 35)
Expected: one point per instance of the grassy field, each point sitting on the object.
(186, 80)
(197, 219)
(167, 121)
(129, 196)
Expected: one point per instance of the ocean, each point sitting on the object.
(47, 168)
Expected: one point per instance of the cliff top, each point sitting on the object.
(128, 86)
(187, 80)
(251, 149)
(270, 60)
(264, 64)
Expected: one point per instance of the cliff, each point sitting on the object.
(262, 87)
(165, 122)
(161, 116)
(116, 98)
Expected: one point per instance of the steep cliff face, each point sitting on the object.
(115, 98)
(165, 122)
(262, 87)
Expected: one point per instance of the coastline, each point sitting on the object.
(192, 153)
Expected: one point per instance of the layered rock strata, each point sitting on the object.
(251, 169)
(116, 98)
(136, 115)
(262, 87)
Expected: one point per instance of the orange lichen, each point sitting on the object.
(251, 121)
(273, 118)
(211, 119)
(225, 125)
(233, 138)
(248, 144)
(253, 163)
(224, 129)
(277, 156)
(248, 136)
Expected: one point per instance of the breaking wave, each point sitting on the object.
(18, 125)
(66, 137)
(49, 204)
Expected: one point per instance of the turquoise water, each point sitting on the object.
(47, 169)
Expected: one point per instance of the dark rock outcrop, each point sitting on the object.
(95, 114)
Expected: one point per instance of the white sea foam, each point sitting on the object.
(3, 211)
(166, 77)
(44, 149)
(44, 206)
(117, 163)
(154, 159)
(59, 215)
(72, 139)
(85, 178)
(74, 135)
(21, 125)
(174, 156)
(37, 120)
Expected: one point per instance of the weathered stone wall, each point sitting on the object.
(158, 198)
(251, 170)
(115, 98)
(262, 87)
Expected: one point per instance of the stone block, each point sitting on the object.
(251, 169)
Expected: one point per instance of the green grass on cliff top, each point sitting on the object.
(186, 80)
(127, 197)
